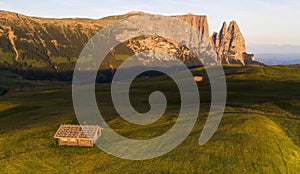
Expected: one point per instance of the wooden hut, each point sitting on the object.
(78, 135)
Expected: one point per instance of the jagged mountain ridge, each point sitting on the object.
(230, 45)
(54, 44)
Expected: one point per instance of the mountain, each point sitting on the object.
(278, 59)
(230, 45)
(53, 45)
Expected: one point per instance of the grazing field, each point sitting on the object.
(259, 133)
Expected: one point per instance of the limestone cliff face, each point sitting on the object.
(199, 22)
(230, 45)
(172, 48)
(175, 49)
(146, 43)
(54, 44)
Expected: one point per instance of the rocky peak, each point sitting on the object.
(233, 27)
(230, 44)
(54, 44)
(223, 30)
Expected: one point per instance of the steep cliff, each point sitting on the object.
(54, 44)
(199, 22)
(180, 51)
(230, 45)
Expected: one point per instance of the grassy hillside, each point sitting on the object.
(45, 44)
(258, 134)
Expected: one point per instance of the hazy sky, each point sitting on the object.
(271, 22)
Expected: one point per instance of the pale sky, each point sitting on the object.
(263, 22)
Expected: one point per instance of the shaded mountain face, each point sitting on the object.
(54, 44)
(48, 44)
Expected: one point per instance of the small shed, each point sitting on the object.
(78, 135)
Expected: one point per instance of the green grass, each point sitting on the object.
(59, 60)
(7, 58)
(258, 134)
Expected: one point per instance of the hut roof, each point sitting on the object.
(77, 131)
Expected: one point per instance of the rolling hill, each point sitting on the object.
(258, 134)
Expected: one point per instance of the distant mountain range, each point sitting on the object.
(278, 59)
(276, 54)
(274, 49)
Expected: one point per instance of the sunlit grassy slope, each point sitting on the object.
(260, 131)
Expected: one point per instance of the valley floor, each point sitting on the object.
(259, 133)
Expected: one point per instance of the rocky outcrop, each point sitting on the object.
(54, 44)
(230, 45)
(11, 36)
(147, 43)
(199, 22)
